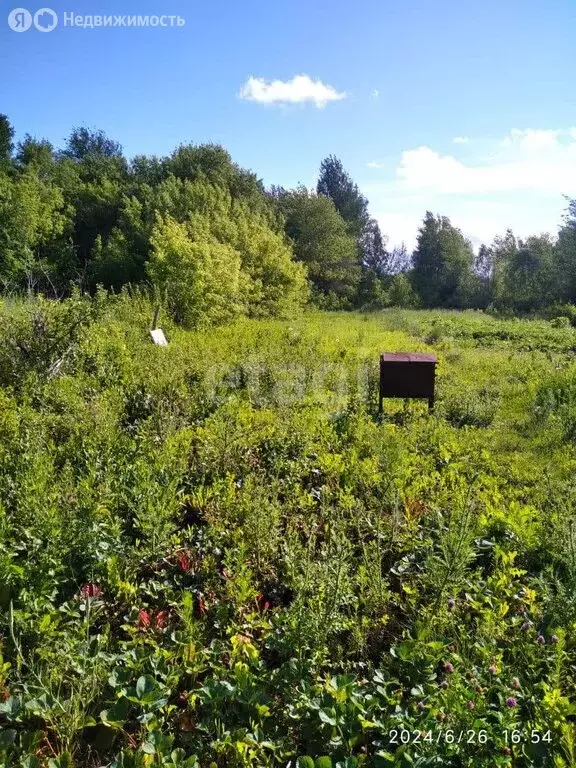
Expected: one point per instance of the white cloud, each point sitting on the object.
(400, 227)
(374, 164)
(530, 140)
(461, 139)
(542, 161)
(519, 182)
(299, 90)
(375, 93)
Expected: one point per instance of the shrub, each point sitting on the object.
(41, 336)
(466, 407)
(201, 278)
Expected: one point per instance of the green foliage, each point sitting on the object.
(6, 140)
(401, 293)
(555, 401)
(216, 553)
(83, 143)
(334, 182)
(217, 260)
(32, 214)
(442, 264)
(525, 273)
(201, 279)
(566, 258)
(40, 338)
(322, 242)
(84, 216)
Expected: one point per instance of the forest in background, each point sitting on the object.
(216, 244)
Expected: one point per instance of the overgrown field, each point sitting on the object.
(217, 554)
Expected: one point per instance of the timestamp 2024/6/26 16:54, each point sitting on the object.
(470, 736)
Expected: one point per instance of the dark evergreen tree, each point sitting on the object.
(336, 183)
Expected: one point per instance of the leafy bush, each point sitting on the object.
(41, 337)
(201, 279)
(555, 402)
(466, 407)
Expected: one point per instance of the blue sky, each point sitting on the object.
(386, 86)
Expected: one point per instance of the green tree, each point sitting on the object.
(6, 140)
(334, 182)
(566, 258)
(375, 257)
(443, 260)
(322, 242)
(32, 215)
(399, 260)
(525, 272)
(401, 293)
(84, 142)
(93, 175)
(35, 153)
(122, 257)
(272, 283)
(212, 163)
(200, 278)
(372, 257)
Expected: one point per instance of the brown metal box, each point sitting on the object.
(407, 374)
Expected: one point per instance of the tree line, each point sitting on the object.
(217, 244)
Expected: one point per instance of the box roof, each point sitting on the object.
(408, 357)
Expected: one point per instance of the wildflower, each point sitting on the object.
(444, 684)
(540, 640)
(202, 607)
(515, 683)
(421, 705)
(526, 626)
(470, 705)
(507, 750)
(161, 619)
(448, 667)
(143, 621)
(184, 562)
(492, 669)
(451, 603)
(511, 702)
(90, 590)
(554, 639)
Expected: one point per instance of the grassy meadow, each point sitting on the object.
(217, 554)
